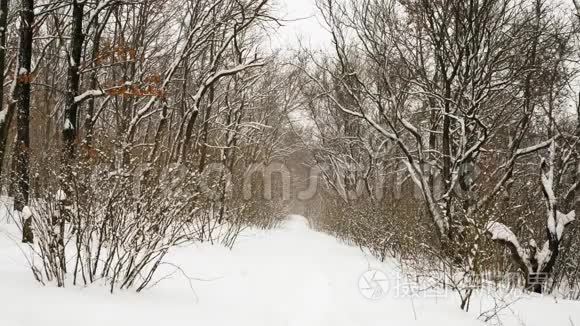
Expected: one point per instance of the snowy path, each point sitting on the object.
(289, 276)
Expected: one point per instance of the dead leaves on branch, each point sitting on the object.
(149, 89)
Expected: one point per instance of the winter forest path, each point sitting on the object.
(291, 275)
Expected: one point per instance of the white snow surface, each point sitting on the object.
(288, 276)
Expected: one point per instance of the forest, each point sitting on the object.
(444, 134)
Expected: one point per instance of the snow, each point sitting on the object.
(22, 71)
(60, 195)
(88, 94)
(551, 224)
(544, 255)
(557, 225)
(501, 232)
(3, 116)
(26, 212)
(288, 276)
(563, 220)
(68, 125)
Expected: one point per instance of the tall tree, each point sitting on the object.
(7, 112)
(470, 69)
(69, 131)
(22, 97)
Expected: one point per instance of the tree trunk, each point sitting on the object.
(6, 113)
(93, 83)
(577, 190)
(22, 98)
(69, 132)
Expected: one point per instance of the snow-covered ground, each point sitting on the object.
(288, 276)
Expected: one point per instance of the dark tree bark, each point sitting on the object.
(205, 132)
(577, 190)
(93, 85)
(7, 112)
(22, 97)
(3, 25)
(69, 132)
(203, 155)
(93, 79)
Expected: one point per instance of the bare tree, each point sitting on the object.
(453, 87)
(22, 98)
(6, 113)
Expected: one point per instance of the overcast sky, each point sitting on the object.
(307, 27)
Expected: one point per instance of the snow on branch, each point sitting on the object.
(89, 94)
(534, 148)
(534, 261)
(502, 233)
(557, 220)
(221, 74)
(562, 220)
